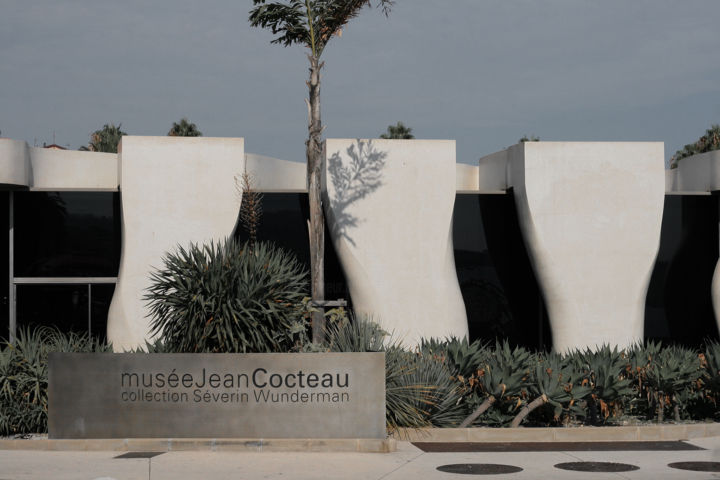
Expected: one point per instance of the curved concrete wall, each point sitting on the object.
(591, 215)
(14, 162)
(174, 190)
(73, 170)
(389, 206)
(53, 169)
(715, 289)
(270, 174)
(696, 174)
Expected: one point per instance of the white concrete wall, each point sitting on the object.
(698, 173)
(14, 162)
(174, 190)
(389, 209)
(274, 175)
(590, 214)
(53, 169)
(492, 172)
(466, 178)
(73, 170)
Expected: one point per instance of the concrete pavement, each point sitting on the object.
(408, 462)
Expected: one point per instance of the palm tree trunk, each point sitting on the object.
(676, 411)
(315, 158)
(541, 400)
(478, 411)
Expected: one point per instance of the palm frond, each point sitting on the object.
(309, 22)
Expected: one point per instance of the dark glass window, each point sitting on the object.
(101, 297)
(679, 300)
(501, 295)
(4, 265)
(67, 234)
(284, 222)
(65, 307)
(61, 306)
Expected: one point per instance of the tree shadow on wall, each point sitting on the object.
(353, 180)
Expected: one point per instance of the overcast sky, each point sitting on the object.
(483, 72)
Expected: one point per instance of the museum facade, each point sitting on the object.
(563, 244)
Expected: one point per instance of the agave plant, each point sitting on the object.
(227, 297)
(640, 357)
(670, 378)
(604, 371)
(422, 385)
(461, 357)
(419, 388)
(556, 382)
(24, 375)
(710, 361)
(501, 376)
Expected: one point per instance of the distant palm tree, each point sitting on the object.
(707, 143)
(398, 132)
(184, 128)
(106, 139)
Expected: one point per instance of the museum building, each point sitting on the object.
(563, 244)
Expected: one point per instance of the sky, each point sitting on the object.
(482, 72)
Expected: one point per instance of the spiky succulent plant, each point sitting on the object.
(227, 297)
(501, 376)
(604, 371)
(671, 378)
(554, 381)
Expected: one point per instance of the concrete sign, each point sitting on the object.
(311, 395)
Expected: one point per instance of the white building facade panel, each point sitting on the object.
(174, 191)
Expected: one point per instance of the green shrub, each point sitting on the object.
(24, 375)
(639, 358)
(704, 405)
(498, 386)
(554, 381)
(421, 383)
(420, 391)
(462, 358)
(228, 297)
(604, 371)
(670, 380)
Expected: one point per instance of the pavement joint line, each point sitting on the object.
(621, 475)
(407, 462)
(573, 456)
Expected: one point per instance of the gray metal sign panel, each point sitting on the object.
(122, 395)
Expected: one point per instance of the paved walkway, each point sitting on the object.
(407, 463)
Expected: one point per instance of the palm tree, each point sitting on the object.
(707, 143)
(184, 128)
(106, 139)
(312, 23)
(398, 132)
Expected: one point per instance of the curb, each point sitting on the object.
(561, 434)
(359, 445)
